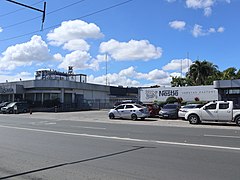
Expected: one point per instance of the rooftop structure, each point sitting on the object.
(48, 74)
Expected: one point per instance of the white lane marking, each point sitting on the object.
(43, 123)
(125, 139)
(88, 127)
(221, 136)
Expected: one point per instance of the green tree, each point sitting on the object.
(238, 74)
(178, 81)
(229, 73)
(200, 71)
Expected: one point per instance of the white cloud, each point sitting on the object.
(71, 30)
(221, 29)
(132, 50)
(76, 44)
(178, 64)
(1, 29)
(175, 74)
(206, 5)
(113, 79)
(180, 25)
(207, 11)
(212, 30)
(35, 50)
(130, 77)
(58, 57)
(79, 60)
(170, 1)
(10, 78)
(201, 4)
(199, 31)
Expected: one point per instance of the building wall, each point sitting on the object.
(49, 89)
(229, 90)
(189, 93)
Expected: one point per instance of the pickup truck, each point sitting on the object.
(217, 111)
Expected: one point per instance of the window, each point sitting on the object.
(224, 106)
(211, 106)
(129, 106)
(120, 107)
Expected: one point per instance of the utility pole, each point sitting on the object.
(30, 7)
(106, 58)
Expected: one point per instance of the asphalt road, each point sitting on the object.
(87, 145)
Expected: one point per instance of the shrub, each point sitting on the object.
(171, 100)
(196, 99)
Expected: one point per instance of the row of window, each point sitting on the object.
(221, 106)
(232, 91)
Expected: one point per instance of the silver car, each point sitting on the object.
(129, 111)
(184, 109)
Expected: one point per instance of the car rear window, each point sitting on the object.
(224, 106)
(170, 106)
(137, 105)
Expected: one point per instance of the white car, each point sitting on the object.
(129, 111)
(184, 109)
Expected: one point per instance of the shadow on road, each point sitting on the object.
(134, 148)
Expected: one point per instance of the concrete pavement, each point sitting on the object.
(102, 117)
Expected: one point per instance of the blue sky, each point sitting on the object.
(145, 42)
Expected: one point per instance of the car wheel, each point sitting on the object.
(193, 119)
(111, 116)
(237, 120)
(134, 117)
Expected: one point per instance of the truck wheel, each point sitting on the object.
(237, 120)
(193, 119)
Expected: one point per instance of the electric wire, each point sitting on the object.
(12, 12)
(84, 16)
(22, 22)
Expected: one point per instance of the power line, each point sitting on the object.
(22, 22)
(6, 14)
(33, 8)
(84, 16)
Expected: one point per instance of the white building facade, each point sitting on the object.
(187, 93)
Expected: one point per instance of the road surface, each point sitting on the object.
(88, 145)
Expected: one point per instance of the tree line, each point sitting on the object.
(204, 73)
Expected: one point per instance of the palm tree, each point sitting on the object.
(238, 74)
(178, 81)
(229, 73)
(200, 71)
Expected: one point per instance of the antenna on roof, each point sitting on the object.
(30, 7)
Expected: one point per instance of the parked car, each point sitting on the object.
(15, 107)
(127, 102)
(129, 111)
(169, 111)
(153, 109)
(3, 104)
(217, 111)
(184, 109)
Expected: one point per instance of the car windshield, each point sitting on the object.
(11, 104)
(3, 103)
(190, 106)
(170, 106)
